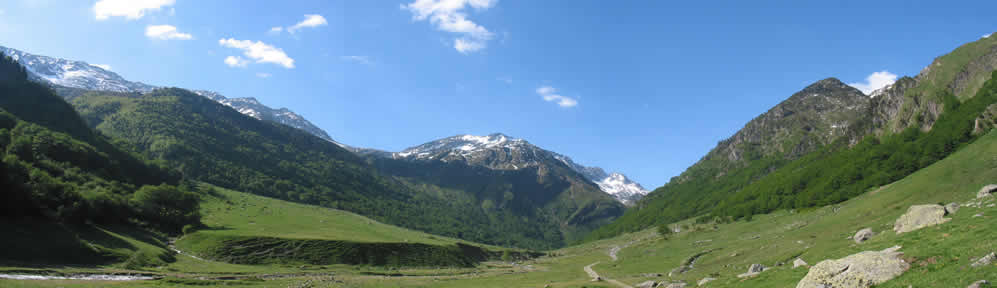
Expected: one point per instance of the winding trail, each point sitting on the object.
(592, 274)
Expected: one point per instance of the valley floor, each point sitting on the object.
(939, 256)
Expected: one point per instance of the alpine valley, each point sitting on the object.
(108, 182)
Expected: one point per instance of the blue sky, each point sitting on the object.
(645, 88)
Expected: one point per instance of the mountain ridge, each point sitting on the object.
(82, 75)
(487, 151)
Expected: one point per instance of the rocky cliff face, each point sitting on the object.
(817, 115)
(918, 101)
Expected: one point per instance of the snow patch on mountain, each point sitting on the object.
(82, 75)
(498, 151)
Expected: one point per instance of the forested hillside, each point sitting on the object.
(808, 157)
(56, 170)
(210, 142)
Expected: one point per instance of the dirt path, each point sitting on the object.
(592, 274)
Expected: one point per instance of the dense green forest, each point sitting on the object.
(831, 175)
(213, 143)
(55, 169)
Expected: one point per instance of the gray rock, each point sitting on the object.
(985, 260)
(863, 235)
(675, 285)
(920, 216)
(679, 270)
(649, 275)
(705, 280)
(799, 263)
(978, 215)
(863, 269)
(952, 208)
(647, 284)
(987, 191)
(979, 284)
(597, 279)
(753, 271)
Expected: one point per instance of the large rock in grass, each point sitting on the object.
(987, 191)
(705, 280)
(979, 284)
(647, 284)
(985, 260)
(799, 263)
(753, 271)
(863, 235)
(920, 216)
(864, 269)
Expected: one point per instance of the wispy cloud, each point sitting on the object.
(984, 35)
(130, 9)
(449, 16)
(875, 81)
(257, 51)
(102, 66)
(263, 75)
(236, 61)
(165, 32)
(356, 59)
(549, 94)
(310, 21)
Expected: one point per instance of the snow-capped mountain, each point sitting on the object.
(501, 152)
(253, 108)
(616, 184)
(82, 75)
(76, 74)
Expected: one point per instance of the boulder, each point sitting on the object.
(952, 208)
(675, 285)
(985, 260)
(596, 279)
(647, 284)
(799, 263)
(705, 280)
(753, 271)
(920, 216)
(979, 284)
(987, 191)
(863, 269)
(651, 275)
(863, 235)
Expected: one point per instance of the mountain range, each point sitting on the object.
(82, 75)
(86, 77)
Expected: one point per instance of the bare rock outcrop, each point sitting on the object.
(863, 269)
(987, 191)
(920, 216)
(753, 271)
(863, 235)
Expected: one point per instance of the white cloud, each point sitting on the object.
(236, 61)
(449, 16)
(259, 52)
(984, 35)
(549, 94)
(875, 81)
(165, 32)
(311, 21)
(263, 75)
(358, 59)
(102, 66)
(130, 9)
(276, 30)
